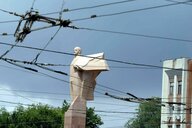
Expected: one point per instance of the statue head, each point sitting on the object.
(77, 50)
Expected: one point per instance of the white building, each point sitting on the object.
(177, 94)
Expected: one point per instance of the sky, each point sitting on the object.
(139, 41)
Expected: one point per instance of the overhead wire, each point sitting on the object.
(107, 59)
(167, 106)
(98, 84)
(17, 65)
(128, 11)
(87, 86)
(4, 54)
(9, 102)
(67, 65)
(36, 92)
(9, 67)
(117, 32)
(177, 1)
(118, 13)
(60, 16)
(33, 3)
(42, 92)
(52, 93)
(78, 110)
(35, 70)
(39, 73)
(57, 121)
(115, 112)
(60, 72)
(121, 112)
(35, 73)
(104, 111)
(27, 68)
(61, 11)
(8, 21)
(30, 18)
(53, 78)
(90, 7)
(9, 50)
(101, 5)
(34, 63)
(21, 96)
(119, 91)
(12, 13)
(6, 11)
(120, 33)
(116, 61)
(112, 116)
(52, 70)
(99, 111)
(133, 34)
(145, 65)
(43, 49)
(6, 34)
(62, 99)
(44, 65)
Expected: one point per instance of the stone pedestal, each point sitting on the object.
(75, 117)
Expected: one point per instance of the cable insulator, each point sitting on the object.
(93, 16)
(65, 10)
(4, 34)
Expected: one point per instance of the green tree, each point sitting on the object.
(4, 118)
(42, 116)
(149, 115)
(92, 119)
(36, 116)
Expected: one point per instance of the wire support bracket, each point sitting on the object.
(26, 22)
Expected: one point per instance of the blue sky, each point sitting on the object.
(171, 21)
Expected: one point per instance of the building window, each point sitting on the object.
(171, 108)
(179, 87)
(171, 88)
(178, 109)
(177, 126)
(169, 126)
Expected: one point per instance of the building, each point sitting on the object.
(177, 94)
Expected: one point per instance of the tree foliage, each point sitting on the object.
(42, 116)
(149, 115)
(92, 120)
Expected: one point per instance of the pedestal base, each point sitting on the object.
(74, 120)
(75, 117)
